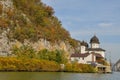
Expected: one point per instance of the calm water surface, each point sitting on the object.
(57, 76)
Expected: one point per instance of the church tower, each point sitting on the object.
(94, 42)
(84, 46)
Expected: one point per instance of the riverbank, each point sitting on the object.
(13, 64)
(16, 64)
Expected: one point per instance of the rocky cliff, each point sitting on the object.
(34, 25)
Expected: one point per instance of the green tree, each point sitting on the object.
(57, 55)
(24, 52)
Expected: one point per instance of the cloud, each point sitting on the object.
(105, 24)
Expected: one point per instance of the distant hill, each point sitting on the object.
(116, 66)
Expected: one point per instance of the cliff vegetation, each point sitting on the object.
(33, 38)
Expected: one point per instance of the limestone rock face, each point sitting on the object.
(44, 44)
(6, 45)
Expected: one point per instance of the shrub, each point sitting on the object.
(75, 67)
(15, 64)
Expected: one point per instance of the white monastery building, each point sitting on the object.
(89, 55)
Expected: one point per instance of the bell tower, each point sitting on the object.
(84, 45)
(94, 42)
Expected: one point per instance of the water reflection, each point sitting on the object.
(57, 76)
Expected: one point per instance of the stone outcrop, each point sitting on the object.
(4, 44)
(7, 45)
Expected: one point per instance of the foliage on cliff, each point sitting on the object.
(41, 21)
(31, 19)
(27, 52)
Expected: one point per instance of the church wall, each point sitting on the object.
(83, 49)
(83, 60)
(102, 53)
(88, 58)
(94, 45)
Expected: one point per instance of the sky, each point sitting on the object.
(86, 18)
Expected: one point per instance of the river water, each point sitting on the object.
(57, 76)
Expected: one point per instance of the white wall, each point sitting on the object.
(85, 60)
(95, 45)
(83, 49)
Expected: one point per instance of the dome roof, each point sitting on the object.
(94, 39)
(83, 43)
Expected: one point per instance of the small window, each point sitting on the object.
(82, 58)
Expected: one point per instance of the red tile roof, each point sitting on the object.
(95, 49)
(80, 55)
(85, 55)
(97, 55)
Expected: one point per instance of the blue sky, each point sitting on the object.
(84, 18)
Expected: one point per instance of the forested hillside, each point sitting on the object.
(31, 19)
